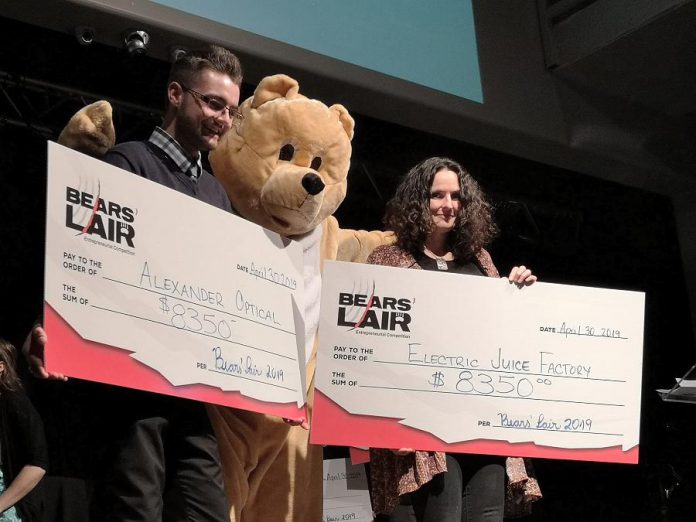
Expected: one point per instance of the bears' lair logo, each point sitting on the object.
(106, 219)
(375, 312)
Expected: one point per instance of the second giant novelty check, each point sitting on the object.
(448, 362)
(151, 289)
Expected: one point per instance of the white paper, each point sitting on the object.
(345, 492)
(469, 358)
(195, 293)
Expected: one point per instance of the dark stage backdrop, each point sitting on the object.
(569, 228)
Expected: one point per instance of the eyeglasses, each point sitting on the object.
(215, 105)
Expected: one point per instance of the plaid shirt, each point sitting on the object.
(171, 148)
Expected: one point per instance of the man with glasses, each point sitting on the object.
(202, 99)
(166, 458)
(162, 458)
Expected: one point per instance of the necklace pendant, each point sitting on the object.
(441, 264)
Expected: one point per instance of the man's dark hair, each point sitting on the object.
(408, 212)
(213, 57)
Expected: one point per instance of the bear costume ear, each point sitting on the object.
(272, 87)
(345, 118)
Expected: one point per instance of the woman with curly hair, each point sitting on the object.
(442, 222)
(23, 456)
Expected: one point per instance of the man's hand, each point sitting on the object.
(33, 350)
(297, 422)
(521, 276)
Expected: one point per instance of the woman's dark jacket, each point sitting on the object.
(23, 443)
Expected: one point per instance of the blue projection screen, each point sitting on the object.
(430, 43)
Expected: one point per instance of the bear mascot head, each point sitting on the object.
(285, 166)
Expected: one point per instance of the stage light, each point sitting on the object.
(136, 42)
(176, 52)
(84, 34)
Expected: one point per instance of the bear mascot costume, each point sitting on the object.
(285, 168)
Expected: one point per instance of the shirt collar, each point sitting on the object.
(163, 140)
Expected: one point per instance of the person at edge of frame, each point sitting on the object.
(23, 453)
(162, 461)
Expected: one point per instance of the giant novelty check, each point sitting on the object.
(151, 289)
(438, 361)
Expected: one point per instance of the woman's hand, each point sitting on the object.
(521, 276)
(402, 451)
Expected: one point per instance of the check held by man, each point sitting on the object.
(415, 359)
(197, 303)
